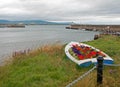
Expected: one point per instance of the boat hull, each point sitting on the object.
(87, 61)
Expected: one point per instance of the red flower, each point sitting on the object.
(86, 52)
(93, 53)
(87, 48)
(89, 55)
(81, 57)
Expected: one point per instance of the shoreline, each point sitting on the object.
(29, 50)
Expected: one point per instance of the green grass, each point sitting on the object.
(111, 77)
(45, 67)
(49, 67)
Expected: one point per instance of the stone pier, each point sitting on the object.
(111, 28)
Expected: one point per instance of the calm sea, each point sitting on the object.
(33, 36)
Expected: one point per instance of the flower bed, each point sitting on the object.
(84, 52)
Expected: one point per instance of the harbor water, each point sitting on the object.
(33, 36)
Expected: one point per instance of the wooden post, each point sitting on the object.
(99, 70)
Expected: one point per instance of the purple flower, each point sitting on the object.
(76, 51)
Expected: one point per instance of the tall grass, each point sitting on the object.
(48, 66)
(44, 67)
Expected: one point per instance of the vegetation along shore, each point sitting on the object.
(48, 66)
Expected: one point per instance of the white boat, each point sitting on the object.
(85, 61)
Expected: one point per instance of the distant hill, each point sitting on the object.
(32, 22)
(3, 21)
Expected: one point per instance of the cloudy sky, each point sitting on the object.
(80, 11)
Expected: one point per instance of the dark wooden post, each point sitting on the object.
(99, 70)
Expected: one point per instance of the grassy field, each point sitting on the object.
(111, 77)
(49, 67)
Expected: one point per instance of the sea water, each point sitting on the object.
(33, 36)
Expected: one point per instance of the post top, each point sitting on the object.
(100, 58)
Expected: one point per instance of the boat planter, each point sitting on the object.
(85, 55)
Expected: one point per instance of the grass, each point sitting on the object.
(49, 67)
(111, 77)
(44, 67)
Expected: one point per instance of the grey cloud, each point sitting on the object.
(62, 10)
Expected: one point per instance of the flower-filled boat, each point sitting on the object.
(85, 55)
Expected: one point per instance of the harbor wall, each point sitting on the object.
(114, 28)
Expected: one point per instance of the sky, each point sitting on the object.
(78, 11)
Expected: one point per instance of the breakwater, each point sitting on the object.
(12, 25)
(112, 28)
(104, 29)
